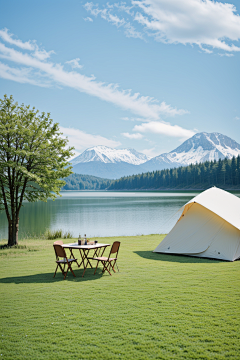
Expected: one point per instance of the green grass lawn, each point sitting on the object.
(157, 306)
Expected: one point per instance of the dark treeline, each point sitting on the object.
(85, 182)
(223, 173)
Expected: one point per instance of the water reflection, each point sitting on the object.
(102, 213)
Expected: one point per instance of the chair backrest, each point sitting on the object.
(58, 242)
(115, 248)
(59, 250)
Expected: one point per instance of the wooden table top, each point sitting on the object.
(76, 246)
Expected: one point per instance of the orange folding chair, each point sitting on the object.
(108, 262)
(61, 253)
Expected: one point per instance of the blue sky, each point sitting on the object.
(137, 74)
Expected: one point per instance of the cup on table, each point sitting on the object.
(96, 242)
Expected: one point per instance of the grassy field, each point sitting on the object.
(156, 307)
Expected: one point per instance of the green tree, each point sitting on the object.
(33, 160)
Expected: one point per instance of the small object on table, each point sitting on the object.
(95, 241)
(79, 240)
(85, 238)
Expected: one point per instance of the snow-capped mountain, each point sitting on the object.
(203, 146)
(110, 163)
(107, 155)
(199, 148)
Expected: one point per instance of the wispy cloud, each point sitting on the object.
(150, 152)
(40, 54)
(226, 54)
(136, 136)
(205, 23)
(88, 19)
(29, 45)
(21, 75)
(74, 63)
(163, 128)
(43, 72)
(81, 140)
(107, 14)
(237, 118)
(126, 118)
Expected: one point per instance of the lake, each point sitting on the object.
(102, 213)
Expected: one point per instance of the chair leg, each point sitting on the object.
(112, 266)
(105, 268)
(70, 267)
(96, 268)
(63, 272)
(55, 271)
(62, 267)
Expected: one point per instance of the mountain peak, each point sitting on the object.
(105, 154)
(204, 146)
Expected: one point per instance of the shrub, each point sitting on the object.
(57, 234)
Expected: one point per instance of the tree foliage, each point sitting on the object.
(86, 182)
(223, 173)
(33, 159)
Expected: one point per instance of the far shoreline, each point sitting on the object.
(151, 190)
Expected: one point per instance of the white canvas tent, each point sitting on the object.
(208, 227)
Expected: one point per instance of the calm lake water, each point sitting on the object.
(102, 213)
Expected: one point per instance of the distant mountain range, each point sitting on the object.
(108, 155)
(105, 162)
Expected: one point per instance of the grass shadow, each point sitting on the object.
(175, 257)
(47, 278)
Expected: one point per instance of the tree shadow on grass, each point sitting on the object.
(48, 277)
(175, 257)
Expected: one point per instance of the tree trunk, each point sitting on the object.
(13, 232)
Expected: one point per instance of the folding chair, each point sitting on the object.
(108, 262)
(60, 253)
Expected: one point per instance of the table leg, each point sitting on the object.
(85, 257)
(73, 257)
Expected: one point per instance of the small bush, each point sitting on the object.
(67, 235)
(57, 234)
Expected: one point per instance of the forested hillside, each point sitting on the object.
(85, 182)
(223, 173)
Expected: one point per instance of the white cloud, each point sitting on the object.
(237, 118)
(150, 152)
(226, 54)
(81, 140)
(107, 14)
(88, 19)
(163, 128)
(29, 45)
(126, 118)
(42, 54)
(136, 136)
(205, 23)
(21, 75)
(131, 32)
(8, 38)
(42, 72)
(74, 63)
